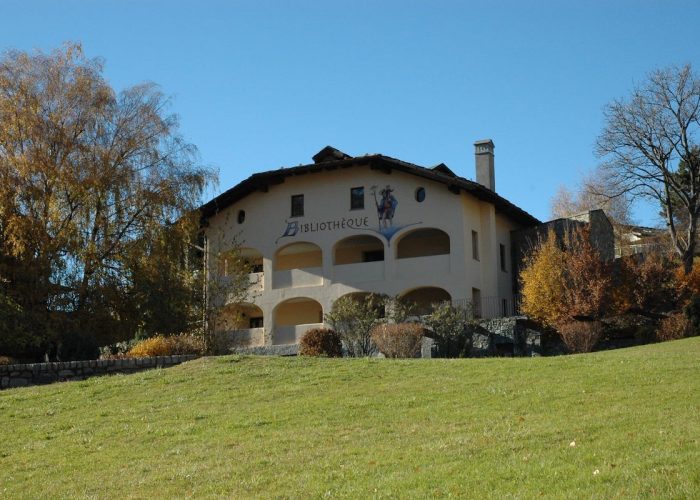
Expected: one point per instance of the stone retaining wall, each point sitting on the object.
(510, 336)
(46, 373)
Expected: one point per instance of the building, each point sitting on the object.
(600, 232)
(346, 225)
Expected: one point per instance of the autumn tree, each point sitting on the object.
(89, 178)
(565, 279)
(644, 140)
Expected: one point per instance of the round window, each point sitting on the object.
(241, 216)
(420, 194)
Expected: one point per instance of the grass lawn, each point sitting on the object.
(298, 427)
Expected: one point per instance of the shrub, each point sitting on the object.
(565, 279)
(447, 323)
(543, 282)
(118, 350)
(353, 317)
(645, 283)
(398, 340)
(580, 336)
(321, 342)
(692, 312)
(675, 326)
(167, 346)
(7, 360)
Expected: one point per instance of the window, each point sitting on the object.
(475, 245)
(420, 194)
(504, 307)
(297, 205)
(256, 322)
(373, 255)
(241, 216)
(357, 198)
(502, 249)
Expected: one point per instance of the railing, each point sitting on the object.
(291, 334)
(423, 266)
(289, 278)
(359, 272)
(256, 282)
(243, 337)
(489, 307)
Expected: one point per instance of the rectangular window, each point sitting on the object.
(256, 322)
(297, 205)
(475, 245)
(357, 198)
(504, 307)
(502, 249)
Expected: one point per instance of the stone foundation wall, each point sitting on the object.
(46, 373)
(511, 336)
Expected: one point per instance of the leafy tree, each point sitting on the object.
(645, 138)
(89, 178)
(447, 323)
(353, 317)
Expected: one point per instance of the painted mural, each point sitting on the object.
(386, 205)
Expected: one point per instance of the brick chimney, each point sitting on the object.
(483, 155)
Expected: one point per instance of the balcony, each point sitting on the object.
(358, 273)
(242, 337)
(257, 282)
(292, 278)
(291, 334)
(423, 267)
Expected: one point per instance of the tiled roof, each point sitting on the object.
(263, 180)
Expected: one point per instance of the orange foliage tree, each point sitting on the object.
(563, 280)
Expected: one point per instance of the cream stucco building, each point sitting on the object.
(344, 225)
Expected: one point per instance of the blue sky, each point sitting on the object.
(264, 84)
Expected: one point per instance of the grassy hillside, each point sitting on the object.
(244, 426)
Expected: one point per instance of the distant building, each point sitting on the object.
(634, 240)
(601, 235)
(352, 225)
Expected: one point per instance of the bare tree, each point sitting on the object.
(644, 140)
(592, 192)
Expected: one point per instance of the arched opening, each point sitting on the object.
(239, 317)
(423, 243)
(250, 258)
(298, 256)
(357, 249)
(239, 325)
(294, 317)
(425, 298)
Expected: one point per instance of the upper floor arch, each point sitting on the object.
(423, 242)
(298, 255)
(357, 249)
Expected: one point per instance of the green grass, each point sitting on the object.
(288, 427)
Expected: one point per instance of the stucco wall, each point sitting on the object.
(327, 219)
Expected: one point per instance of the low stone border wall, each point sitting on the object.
(46, 373)
(268, 350)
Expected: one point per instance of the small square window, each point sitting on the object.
(475, 245)
(297, 205)
(357, 198)
(502, 249)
